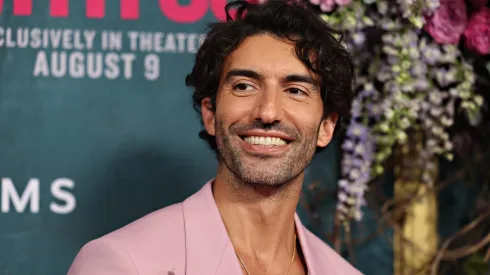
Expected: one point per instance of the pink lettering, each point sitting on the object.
(130, 9)
(95, 8)
(22, 7)
(180, 14)
(58, 8)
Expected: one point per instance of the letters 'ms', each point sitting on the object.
(31, 196)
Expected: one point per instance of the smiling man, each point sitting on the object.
(270, 87)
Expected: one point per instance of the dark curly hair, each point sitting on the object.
(287, 20)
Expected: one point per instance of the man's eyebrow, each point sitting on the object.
(255, 75)
(243, 72)
(301, 78)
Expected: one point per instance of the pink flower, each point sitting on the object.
(477, 34)
(448, 22)
(329, 5)
(325, 5)
(343, 2)
(478, 3)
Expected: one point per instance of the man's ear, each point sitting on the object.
(207, 113)
(326, 130)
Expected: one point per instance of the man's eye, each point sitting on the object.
(242, 87)
(296, 91)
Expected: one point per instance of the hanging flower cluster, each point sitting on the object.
(411, 76)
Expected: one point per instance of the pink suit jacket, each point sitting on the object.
(188, 238)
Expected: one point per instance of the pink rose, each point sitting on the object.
(477, 34)
(478, 3)
(448, 22)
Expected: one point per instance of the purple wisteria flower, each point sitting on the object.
(406, 81)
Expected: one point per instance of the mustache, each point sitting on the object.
(259, 125)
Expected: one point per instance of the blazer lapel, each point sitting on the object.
(209, 250)
(316, 261)
(208, 247)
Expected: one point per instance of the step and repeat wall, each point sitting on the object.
(96, 124)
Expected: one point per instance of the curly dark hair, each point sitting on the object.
(286, 20)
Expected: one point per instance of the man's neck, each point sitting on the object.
(259, 221)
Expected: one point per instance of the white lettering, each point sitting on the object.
(30, 194)
(67, 36)
(170, 45)
(94, 65)
(89, 38)
(191, 43)
(36, 38)
(128, 59)
(45, 38)
(60, 194)
(58, 64)
(146, 42)
(152, 67)
(10, 41)
(181, 38)
(76, 65)
(41, 66)
(111, 40)
(112, 70)
(55, 38)
(158, 42)
(22, 37)
(77, 40)
(133, 40)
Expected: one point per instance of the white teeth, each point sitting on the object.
(266, 141)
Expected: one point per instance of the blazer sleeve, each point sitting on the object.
(102, 257)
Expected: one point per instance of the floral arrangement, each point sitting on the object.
(415, 72)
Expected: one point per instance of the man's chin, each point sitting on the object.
(264, 177)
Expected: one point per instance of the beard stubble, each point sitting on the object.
(260, 171)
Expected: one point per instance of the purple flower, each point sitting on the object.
(357, 130)
(356, 172)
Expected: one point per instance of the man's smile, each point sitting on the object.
(261, 142)
(265, 141)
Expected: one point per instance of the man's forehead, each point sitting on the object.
(268, 56)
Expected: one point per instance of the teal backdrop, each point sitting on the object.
(97, 127)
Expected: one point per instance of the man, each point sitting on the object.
(270, 86)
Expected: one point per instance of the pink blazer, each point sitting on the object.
(187, 238)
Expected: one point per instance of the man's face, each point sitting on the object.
(268, 118)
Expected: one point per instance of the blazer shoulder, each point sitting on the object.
(155, 243)
(160, 224)
(102, 257)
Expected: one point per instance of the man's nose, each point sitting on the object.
(268, 107)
